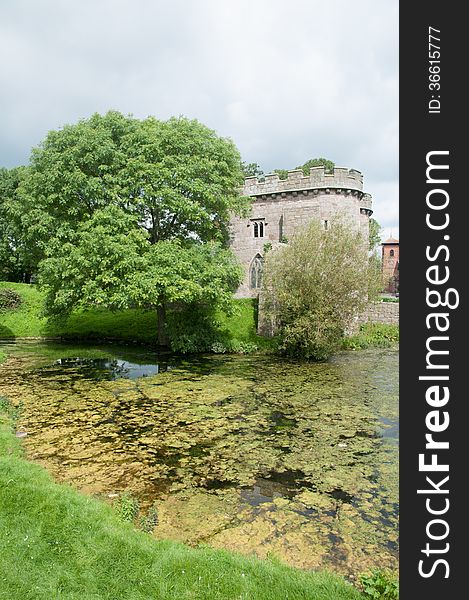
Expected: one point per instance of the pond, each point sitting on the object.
(291, 460)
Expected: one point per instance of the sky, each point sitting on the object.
(286, 81)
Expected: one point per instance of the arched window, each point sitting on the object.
(255, 272)
(391, 252)
(258, 229)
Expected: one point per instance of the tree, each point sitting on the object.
(374, 235)
(119, 212)
(112, 263)
(305, 167)
(14, 260)
(317, 162)
(316, 285)
(251, 170)
(282, 173)
(177, 177)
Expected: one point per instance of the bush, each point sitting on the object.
(9, 299)
(192, 329)
(316, 285)
(380, 584)
(127, 507)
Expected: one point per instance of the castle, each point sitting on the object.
(281, 206)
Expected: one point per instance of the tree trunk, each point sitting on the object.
(161, 324)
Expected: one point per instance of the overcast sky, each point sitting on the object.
(286, 80)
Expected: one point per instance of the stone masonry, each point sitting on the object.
(281, 207)
(381, 312)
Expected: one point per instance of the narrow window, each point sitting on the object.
(391, 252)
(255, 272)
(258, 229)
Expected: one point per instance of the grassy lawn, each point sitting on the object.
(58, 544)
(128, 325)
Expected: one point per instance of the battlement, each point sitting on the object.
(318, 178)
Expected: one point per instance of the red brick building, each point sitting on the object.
(390, 265)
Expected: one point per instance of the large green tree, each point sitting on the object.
(178, 177)
(316, 285)
(121, 212)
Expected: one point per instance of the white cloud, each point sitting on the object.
(286, 81)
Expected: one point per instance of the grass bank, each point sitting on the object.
(373, 335)
(133, 325)
(238, 331)
(57, 543)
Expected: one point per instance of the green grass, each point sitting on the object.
(58, 544)
(373, 335)
(128, 325)
(242, 325)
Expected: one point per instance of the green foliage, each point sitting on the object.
(192, 329)
(122, 213)
(127, 507)
(389, 299)
(251, 170)
(9, 299)
(282, 173)
(14, 260)
(317, 162)
(380, 584)
(178, 178)
(316, 285)
(374, 235)
(112, 264)
(11, 411)
(305, 167)
(373, 335)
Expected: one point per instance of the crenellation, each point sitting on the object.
(341, 178)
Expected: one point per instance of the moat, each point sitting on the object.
(291, 460)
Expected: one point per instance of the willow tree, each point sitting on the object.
(316, 285)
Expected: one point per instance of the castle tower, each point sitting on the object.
(281, 206)
(390, 264)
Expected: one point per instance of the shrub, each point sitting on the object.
(9, 299)
(316, 285)
(127, 507)
(380, 584)
(192, 329)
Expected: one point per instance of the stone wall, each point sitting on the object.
(381, 312)
(378, 312)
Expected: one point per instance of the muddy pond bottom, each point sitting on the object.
(259, 455)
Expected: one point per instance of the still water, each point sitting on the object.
(292, 460)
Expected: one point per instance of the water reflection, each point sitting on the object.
(101, 368)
